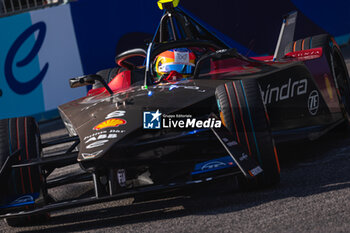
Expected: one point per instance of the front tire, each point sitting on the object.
(243, 112)
(22, 133)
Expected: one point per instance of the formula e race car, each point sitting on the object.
(137, 133)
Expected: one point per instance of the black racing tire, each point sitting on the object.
(311, 42)
(336, 62)
(343, 81)
(107, 75)
(243, 112)
(22, 133)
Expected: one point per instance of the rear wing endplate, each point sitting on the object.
(286, 34)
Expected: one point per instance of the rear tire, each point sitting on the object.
(336, 62)
(22, 133)
(322, 40)
(341, 74)
(243, 112)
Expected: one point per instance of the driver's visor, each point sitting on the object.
(180, 68)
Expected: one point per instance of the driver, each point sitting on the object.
(179, 62)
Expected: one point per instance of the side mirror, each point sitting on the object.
(81, 81)
(89, 80)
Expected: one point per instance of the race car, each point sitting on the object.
(145, 129)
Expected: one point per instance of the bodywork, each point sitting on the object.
(110, 142)
(299, 93)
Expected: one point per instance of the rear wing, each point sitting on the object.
(286, 34)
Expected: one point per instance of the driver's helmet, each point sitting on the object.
(181, 60)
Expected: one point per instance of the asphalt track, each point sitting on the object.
(313, 196)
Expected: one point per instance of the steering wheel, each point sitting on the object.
(121, 58)
(159, 48)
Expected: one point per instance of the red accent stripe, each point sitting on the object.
(267, 117)
(335, 43)
(26, 142)
(233, 116)
(251, 174)
(277, 161)
(338, 92)
(294, 46)
(19, 157)
(240, 111)
(302, 45)
(266, 114)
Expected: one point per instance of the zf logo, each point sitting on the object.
(151, 120)
(313, 102)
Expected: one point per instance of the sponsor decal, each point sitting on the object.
(111, 131)
(96, 144)
(115, 114)
(95, 134)
(182, 57)
(91, 155)
(102, 136)
(256, 171)
(230, 143)
(328, 86)
(70, 128)
(151, 120)
(213, 165)
(313, 102)
(221, 51)
(177, 85)
(115, 122)
(27, 199)
(116, 131)
(286, 91)
(155, 120)
(243, 157)
(121, 177)
(23, 199)
(291, 21)
(311, 53)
